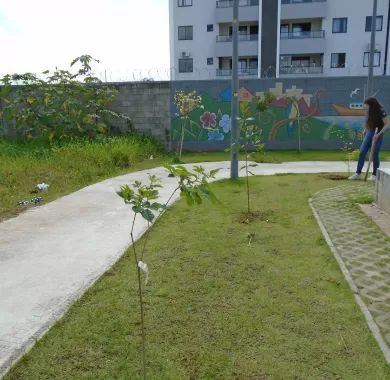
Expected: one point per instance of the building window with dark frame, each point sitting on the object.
(186, 65)
(337, 60)
(210, 27)
(184, 3)
(340, 25)
(185, 32)
(210, 61)
(379, 23)
(377, 59)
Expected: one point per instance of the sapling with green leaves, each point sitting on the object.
(251, 135)
(185, 102)
(192, 184)
(347, 139)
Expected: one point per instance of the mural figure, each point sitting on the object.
(294, 114)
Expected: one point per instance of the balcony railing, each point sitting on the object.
(301, 69)
(241, 37)
(302, 34)
(241, 3)
(241, 72)
(301, 1)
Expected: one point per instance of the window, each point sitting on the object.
(301, 30)
(253, 64)
(185, 32)
(186, 65)
(242, 64)
(337, 60)
(210, 27)
(340, 25)
(210, 61)
(242, 29)
(184, 3)
(379, 23)
(300, 61)
(377, 59)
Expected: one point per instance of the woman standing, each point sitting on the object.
(377, 119)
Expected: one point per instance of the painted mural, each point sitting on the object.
(318, 117)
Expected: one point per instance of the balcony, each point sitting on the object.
(249, 11)
(301, 42)
(301, 70)
(241, 72)
(241, 37)
(241, 3)
(302, 1)
(248, 46)
(303, 34)
(300, 9)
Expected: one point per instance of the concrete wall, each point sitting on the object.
(148, 106)
(383, 190)
(146, 103)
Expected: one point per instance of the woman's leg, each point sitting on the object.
(378, 145)
(364, 148)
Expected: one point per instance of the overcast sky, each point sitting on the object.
(129, 37)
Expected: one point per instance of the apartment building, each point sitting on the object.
(277, 38)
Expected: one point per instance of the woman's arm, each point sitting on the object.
(385, 126)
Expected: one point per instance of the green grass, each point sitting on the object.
(217, 308)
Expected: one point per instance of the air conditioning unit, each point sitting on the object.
(185, 54)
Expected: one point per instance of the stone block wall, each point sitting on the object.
(148, 106)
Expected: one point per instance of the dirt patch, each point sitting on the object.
(253, 216)
(334, 177)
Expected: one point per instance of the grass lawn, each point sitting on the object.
(217, 308)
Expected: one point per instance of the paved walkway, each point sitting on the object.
(363, 252)
(50, 254)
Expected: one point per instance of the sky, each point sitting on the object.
(130, 38)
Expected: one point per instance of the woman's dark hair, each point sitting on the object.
(374, 112)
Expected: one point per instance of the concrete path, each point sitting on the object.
(51, 254)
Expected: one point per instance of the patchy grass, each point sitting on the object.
(75, 165)
(218, 306)
(69, 167)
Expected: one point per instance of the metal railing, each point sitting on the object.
(285, 70)
(302, 1)
(241, 72)
(241, 37)
(241, 3)
(302, 34)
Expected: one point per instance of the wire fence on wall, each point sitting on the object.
(111, 75)
(206, 73)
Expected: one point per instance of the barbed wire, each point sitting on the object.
(111, 75)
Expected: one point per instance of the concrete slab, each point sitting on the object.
(51, 254)
(383, 189)
(378, 216)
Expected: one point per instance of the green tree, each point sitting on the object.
(62, 105)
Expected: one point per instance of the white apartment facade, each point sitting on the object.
(277, 38)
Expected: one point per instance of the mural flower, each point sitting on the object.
(216, 136)
(209, 120)
(225, 123)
